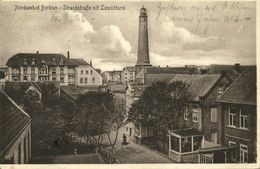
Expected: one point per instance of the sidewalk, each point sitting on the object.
(135, 153)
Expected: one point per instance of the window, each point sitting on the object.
(25, 78)
(243, 120)
(195, 114)
(186, 114)
(243, 153)
(91, 72)
(53, 78)
(71, 80)
(53, 71)
(86, 72)
(234, 151)
(81, 80)
(186, 144)
(33, 62)
(62, 79)
(197, 141)
(233, 111)
(15, 71)
(81, 72)
(32, 79)
(175, 144)
(71, 71)
(24, 70)
(25, 61)
(86, 80)
(43, 70)
(61, 70)
(130, 132)
(220, 91)
(93, 80)
(32, 71)
(213, 114)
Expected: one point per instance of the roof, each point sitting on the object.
(32, 59)
(139, 89)
(13, 121)
(79, 61)
(187, 132)
(75, 91)
(117, 88)
(242, 90)
(130, 68)
(151, 78)
(169, 70)
(200, 85)
(230, 69)
(12, 87)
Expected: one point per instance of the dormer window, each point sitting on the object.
(33, 62)
(43, 62)
(25, 61)
(220, 90)
(61, 62)
(54, 61)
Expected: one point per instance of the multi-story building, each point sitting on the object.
(112, 77)
(86, 75)
(128, 75)
(42, 67)
(238, 107)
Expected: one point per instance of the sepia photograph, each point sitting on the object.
(128, 82)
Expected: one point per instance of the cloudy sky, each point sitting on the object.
(179, 33)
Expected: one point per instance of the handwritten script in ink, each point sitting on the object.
(203, 13)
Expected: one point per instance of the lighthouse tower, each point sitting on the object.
(143, 59)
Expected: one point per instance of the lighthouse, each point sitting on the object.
(143, 59)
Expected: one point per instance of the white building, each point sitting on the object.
(128, 75)
(46, 67)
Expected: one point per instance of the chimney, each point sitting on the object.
(90, 63)
(237, 67)
(68, 54)
(37, 52)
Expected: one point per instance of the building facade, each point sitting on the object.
(238, 107)
(128, 75)
(37, 67)
(112, 77)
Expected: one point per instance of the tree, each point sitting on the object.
(97, 116)
(162, 104)
(115, 122)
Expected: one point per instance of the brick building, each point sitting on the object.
(238, 107)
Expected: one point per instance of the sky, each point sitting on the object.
(180, 33)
